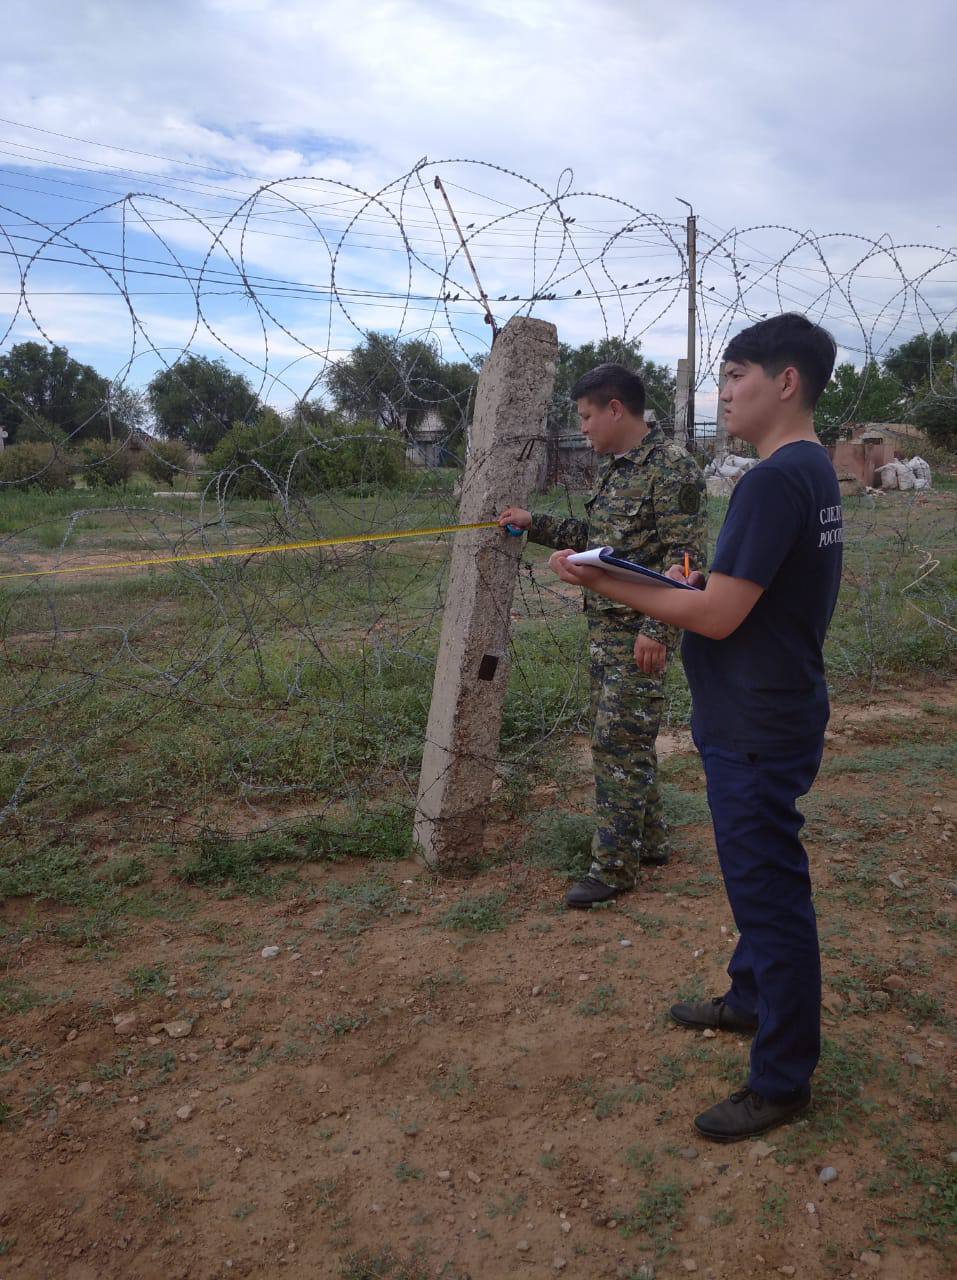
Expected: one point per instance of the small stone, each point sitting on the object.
(269, 953)
(72, 1035)
(473, 1177)
(184, 1113)
(894, 982)
(536, 991)
(688, 1153)
(84, 1088)
(833, 1003)
(139, 1125)
(811, 1207)
(154, 1040)
(566, 1226)
(828, 1173)
(689, 1264)
(952, 1157)
(226, 1004)
(559, 1263)
(242, 1044)
(177, 1029)
(124, 1024)
(870, 1259)
(897, 880)
(761, 1149)
(709, 1033)
(625, 942)
(913, 1059)
(523, 1246)
(444, 1175)
(787, 1270)
(548, 1146)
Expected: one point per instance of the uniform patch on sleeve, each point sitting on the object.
(689, 499)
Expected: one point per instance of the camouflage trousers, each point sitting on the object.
(626, 707)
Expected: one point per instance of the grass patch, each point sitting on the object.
(657, 1214)
(506, 1205)
(381, 1264)
(482, 913)
(148, 980)
(606, 1103)
(452, 1082)
(603, 999)
(560, 841)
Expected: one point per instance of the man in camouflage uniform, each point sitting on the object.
(649, 505)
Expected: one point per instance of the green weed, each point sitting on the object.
(506, 1205)
(480, 914)
(453, 1082)
(148, 980)
(771, 1210)
(600, 1001)
(657, 1214)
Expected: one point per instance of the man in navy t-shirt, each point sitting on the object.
(753, 656)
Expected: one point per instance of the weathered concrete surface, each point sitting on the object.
(681, 404)
(720, 422)
(462, 739)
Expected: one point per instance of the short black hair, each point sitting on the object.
(791, 339)
(607, 382)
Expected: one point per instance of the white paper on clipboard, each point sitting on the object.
(607, 559)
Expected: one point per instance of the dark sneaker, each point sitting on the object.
(589, 891)
(746, 1114)
(713, 1013)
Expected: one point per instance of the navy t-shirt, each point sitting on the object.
(763, 686)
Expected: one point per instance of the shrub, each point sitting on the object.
(937, 416)
(106, 465)
(38, 430)
(166, 460)
(274, 455)
(35, 466)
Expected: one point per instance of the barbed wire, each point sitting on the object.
(241, 694)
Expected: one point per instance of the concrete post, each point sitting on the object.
(720, 426)
(462, 738)
(682, 388)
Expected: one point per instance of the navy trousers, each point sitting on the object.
(776, 967)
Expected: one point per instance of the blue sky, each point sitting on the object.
(814, 132)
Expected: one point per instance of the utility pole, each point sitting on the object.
(691, 229)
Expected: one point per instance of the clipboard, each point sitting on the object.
(606, 558)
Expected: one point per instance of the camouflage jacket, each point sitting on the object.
(649, 505)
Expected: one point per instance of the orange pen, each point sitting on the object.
(687, 566)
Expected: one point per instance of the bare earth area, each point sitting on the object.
(373, 1073)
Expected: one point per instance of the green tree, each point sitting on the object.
(105, 465)
(915, 363)
(166, 461)
(396, 382)
(35, 466)
(278, 455)
(573, 362)
(857, 395)
(197, 400)
(41, 383)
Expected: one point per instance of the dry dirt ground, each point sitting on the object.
(460, 1079)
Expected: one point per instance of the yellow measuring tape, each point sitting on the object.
(194, 556)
